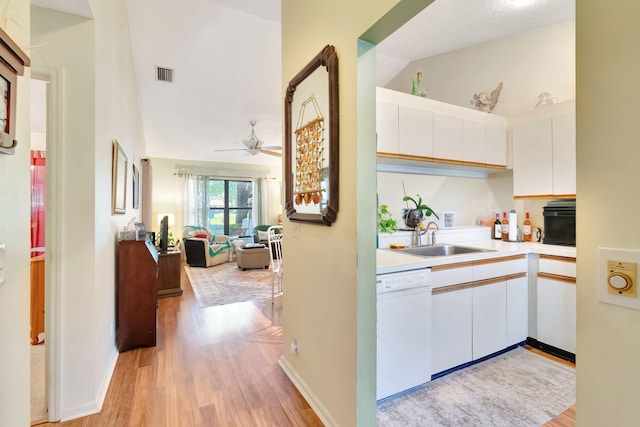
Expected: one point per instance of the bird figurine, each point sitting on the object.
(483, 102)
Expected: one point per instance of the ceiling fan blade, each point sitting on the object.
(271, 153)
(271, 147)
(232, 149)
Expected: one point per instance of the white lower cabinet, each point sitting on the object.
(556, 313)
(489, 319)
(517, 310)
(556, 302)
(478, 308)
(451, 328)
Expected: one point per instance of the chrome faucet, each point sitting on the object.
(433, 233)
(416, 235)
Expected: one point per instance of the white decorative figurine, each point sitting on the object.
(483, 102)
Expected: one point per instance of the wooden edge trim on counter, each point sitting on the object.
(502, 259)
(477, 262)
(559, 277)
(558, 258)
(438, 160)
(546, 196)
(477, 283)
(451, 266)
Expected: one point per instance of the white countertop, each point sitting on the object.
(392, 260)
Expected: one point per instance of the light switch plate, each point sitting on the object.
(617, 268)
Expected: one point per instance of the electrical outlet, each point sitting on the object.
(294, 346)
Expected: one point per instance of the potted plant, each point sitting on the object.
(386, 223)
(414, 216)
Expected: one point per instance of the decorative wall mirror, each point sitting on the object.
(312, 141)
(119, 180)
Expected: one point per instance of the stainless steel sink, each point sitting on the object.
(439, 250)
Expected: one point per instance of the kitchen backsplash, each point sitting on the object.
(454, 235)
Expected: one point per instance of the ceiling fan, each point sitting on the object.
(255, 145)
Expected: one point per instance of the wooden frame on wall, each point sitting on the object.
(312, 154)
(135, 180)
(12, 63)
(119, 180)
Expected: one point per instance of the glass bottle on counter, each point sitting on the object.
(526, 228)
(505, 227)
(497, 228)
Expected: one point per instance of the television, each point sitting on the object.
(163, 234)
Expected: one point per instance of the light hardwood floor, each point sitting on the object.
(215, 366)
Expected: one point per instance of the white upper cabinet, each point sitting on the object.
(447, 137)
(431, 131)
(387, 126)
(415, 130)
(564, 154)
(544, 152)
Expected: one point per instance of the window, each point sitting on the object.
(230, 206)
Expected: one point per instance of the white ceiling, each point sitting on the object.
(227, 55)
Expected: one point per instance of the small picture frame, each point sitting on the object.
(135, 179)
(119, 180)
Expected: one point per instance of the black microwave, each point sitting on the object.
(560, 222)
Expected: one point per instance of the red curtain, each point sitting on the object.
(38, 163)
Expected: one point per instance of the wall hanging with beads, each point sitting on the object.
(309, 156)
(311, 147)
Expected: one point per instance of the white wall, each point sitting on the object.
(15, 234)
(528, 64)
(90, 63)
(608, 369)
(469, 198)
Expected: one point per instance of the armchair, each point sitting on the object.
(202, 249)
(260, 234)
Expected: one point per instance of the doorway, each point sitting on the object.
(38, 249)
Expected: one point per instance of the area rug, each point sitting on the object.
(227, 284)
(517, 388)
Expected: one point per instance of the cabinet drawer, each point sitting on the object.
(561, 266)
(452, 274)
(499, 267)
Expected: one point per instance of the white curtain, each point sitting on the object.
(193, 200)
(270, 200)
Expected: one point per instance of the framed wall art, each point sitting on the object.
(135, 180)
(311, 146)
(119, 180)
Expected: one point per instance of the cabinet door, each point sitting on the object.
(415, 130)
(451, 329)
(473, 141)
(496, 145)
(556, 313)
(387, 126)
(564, 153)
(532, 158)
(517, 310)
(447, 137)
(489, 319)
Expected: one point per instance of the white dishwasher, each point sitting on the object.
(404, 331)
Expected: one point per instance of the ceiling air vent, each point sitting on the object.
(164, 74)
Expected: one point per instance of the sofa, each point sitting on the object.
(203, 248)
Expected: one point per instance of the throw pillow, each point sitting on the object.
(263, 235)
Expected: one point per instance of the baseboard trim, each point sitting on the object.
(95, 406)
(554, 351)
(315, 403)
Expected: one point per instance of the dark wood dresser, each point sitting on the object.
(136, 294)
